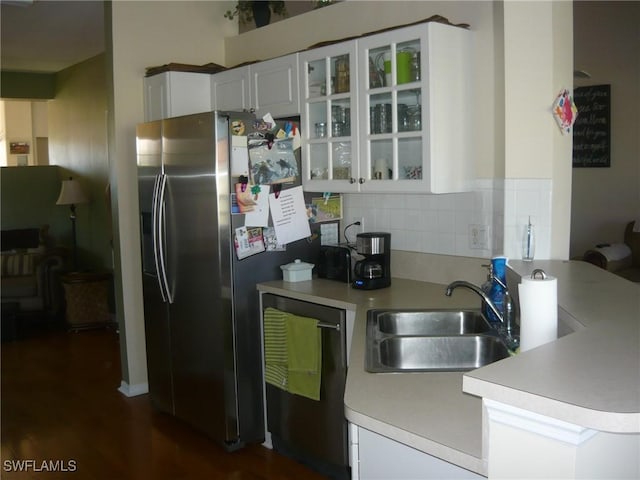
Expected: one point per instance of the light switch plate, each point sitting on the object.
(478, 237)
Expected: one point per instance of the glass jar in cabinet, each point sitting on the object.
(329, 118)
(414, 133)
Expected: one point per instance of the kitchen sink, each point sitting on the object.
(436, 353)
(430, 341)
(427, 322)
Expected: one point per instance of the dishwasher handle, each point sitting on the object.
(334, 326)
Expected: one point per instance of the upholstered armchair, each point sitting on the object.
(30, 271)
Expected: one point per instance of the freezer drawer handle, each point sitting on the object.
(336, 326)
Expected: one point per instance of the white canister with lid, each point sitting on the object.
(297, 271)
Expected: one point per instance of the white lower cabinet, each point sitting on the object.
(375, 457)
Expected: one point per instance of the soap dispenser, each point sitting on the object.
(496, 292)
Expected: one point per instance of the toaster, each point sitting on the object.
(334, 263)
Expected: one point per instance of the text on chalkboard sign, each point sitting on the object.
(592, 129)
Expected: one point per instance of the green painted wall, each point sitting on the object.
(78, 144)
(28, 196)
(28, 199)
(77, 148)
(27, 85)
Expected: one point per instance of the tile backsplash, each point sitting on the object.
(524, 198)
(487, 221)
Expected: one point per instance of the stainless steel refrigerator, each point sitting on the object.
(201, 306)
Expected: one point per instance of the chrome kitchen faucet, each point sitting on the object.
(505, 317)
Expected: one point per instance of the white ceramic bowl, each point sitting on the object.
(298, 271)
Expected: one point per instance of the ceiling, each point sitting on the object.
(46, 36)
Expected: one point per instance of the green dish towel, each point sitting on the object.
(275, 348)
(304, 344)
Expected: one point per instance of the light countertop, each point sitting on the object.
(590, 377)
(427, 411)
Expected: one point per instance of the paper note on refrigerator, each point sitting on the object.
(289, 215)
(239, 156)
(248, 241)
(259, 216)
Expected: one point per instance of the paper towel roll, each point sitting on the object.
(538, 311)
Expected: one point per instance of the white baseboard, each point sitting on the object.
(133, 390)
(267, 441)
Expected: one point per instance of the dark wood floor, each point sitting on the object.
(60, 403)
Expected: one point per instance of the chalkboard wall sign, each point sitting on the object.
(592, 129)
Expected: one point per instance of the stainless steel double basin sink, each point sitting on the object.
(430, 341)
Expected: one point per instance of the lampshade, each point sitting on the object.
(71, 193)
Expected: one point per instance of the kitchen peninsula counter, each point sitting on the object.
(589, 377)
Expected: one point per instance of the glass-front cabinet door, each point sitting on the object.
(399, 122)
(329, 118)
(393, 99)
(415, 110)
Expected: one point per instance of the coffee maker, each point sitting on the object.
(374, 270)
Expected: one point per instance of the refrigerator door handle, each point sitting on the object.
(154, 233)
(158, 244)
(162, 271)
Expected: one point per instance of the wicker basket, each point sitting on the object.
(86, 295)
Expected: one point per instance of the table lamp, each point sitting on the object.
(72, 194)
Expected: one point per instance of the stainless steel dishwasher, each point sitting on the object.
(314, 432)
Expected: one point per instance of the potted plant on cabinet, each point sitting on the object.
(257, 10)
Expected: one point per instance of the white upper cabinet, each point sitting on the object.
(329, 119)
(412, 129)
(172, 94)
(230, 90)
(274, 86)
(268, 87)
(415, 119)
(389, 112)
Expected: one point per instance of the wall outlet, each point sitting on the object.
(479, 237)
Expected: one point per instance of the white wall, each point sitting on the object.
(26, 121)
(418, 223)
(355, 17)
(538, 64)
(604, 200)
(522, 59)
(191, 32)
(146, 34)
(3, 136)
(78, 129)
(40, 112)
(19, 129)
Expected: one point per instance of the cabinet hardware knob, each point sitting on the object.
(361, 181)
(352, 180)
